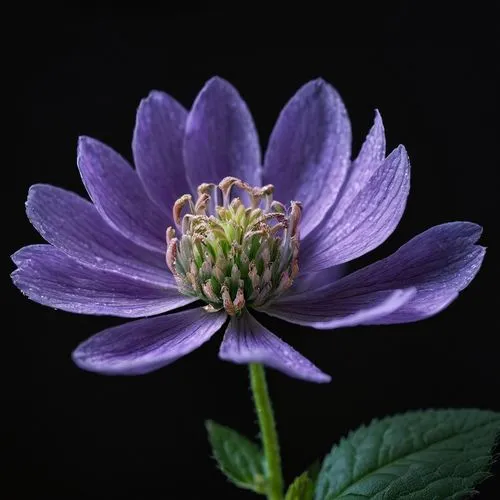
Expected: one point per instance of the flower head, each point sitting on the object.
(202, 219)
(233, 256)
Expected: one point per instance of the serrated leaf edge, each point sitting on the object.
(375, 421)
(307, 483)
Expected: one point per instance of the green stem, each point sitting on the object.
(268, 432)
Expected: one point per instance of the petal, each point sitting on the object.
(311, 281)
(148, 344)
(328, 311)
(371, 155)
(49, 277)
(221, 139)
(73, 225)
(157, 147)
(365, 221)
(437, 264)
(309, 151)
(247, 341)
(421, 306)
(118, 195)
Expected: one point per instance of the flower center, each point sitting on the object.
(240, 253)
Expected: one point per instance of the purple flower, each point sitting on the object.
(202, 218)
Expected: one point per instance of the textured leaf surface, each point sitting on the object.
(302, 488)
(423, 455)
(238, 458)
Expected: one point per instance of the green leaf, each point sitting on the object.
(434, 454)
(238, 458)
(301, 489)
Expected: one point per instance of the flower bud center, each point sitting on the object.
(235, 254)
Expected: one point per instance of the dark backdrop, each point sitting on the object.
(80, 435)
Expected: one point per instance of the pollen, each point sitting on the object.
(233, 247)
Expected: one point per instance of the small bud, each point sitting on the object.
(265, 255)
(186, 248)
(239, 301)
(206, 270)
(193, 268)
(218, 274)
(266, 276)
(187, 223)
(208, 290)
(193, 281)
(235, 274)
(253, 275)
(227, 302)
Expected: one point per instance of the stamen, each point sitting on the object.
(213, 191)
(201, 204)
(234, 256)
(225, 185)
(179, 205)
(295, 216)
(169, 233)
(172, 255)
(276, 206)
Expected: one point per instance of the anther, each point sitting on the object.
(179, 205)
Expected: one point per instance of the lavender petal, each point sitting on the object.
(221, 139)
(117, 192)
(311, 281)
(73, 225)
(336, 311)
(440, 263)
(145, 345)
(437, 264)
(48, 276)
(366, 221)
(247, 341)
(309, 151)
(371, 155)
(157, 147)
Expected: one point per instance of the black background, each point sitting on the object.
(80, 435)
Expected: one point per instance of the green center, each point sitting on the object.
(233, 255)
